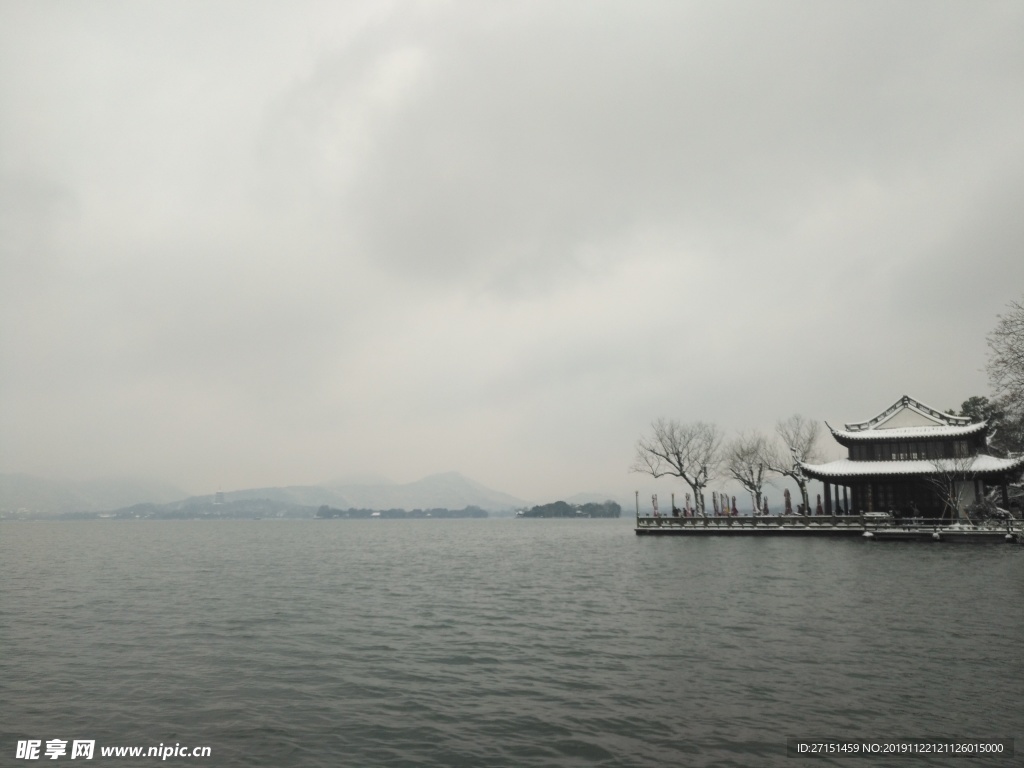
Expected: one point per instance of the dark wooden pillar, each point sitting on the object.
(1006, 494)
(828, 498)
(846, 501)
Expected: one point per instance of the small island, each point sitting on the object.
(564, 509)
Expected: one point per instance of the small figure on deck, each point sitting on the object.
(819, 510)
(714, 501)
(765, 511)
(689, 509)
(788, 501)
(735, 512)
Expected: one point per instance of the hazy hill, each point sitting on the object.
(302, 495)
(450, 490)
(41, 496)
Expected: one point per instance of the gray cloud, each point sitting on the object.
(256, 244)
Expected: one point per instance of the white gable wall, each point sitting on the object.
(909, 417)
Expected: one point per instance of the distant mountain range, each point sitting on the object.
(450, 490)
(26, 495)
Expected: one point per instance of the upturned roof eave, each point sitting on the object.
(846, 437)
(848, 469)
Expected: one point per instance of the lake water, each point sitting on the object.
(498, 642)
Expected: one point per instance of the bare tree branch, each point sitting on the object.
(1006, 359)
(691, 452)
(949, 478)
(745, 462)
(799, 436)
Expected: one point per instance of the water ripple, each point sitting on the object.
(497, 643)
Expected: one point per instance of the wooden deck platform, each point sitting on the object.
(830, 525)
(789, 525)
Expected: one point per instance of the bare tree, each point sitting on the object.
(1006, 359)
(744, 459)
(949, 481)
(1006, 375)
(690, 451)
(799, 436)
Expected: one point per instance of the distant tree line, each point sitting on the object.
(564, 509)
(327, 512)
(697, 453)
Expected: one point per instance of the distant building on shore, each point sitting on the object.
(915, 461)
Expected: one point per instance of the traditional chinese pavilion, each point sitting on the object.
(904, 460)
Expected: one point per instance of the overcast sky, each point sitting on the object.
(249, 244)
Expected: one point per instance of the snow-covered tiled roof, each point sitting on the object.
(975, 465)
(902, 433)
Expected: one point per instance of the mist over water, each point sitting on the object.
(498, 642)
